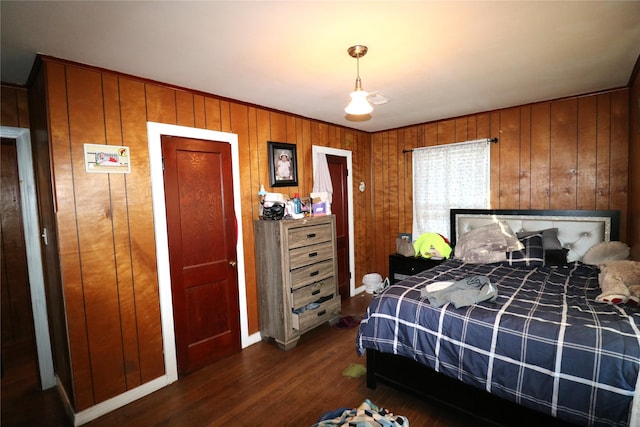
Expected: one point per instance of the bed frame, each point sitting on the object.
(577, 230)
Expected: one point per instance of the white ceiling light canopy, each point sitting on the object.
(359, 104)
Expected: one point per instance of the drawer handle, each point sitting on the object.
(315, 273)
(316, 292)
(312, 254)
(320, 313)
(311, 235)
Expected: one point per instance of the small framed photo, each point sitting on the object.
(100, 158)
(283, 164)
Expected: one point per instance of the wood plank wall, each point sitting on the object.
(14, 107)
(634, 161)
(570, 153)
(105, 221)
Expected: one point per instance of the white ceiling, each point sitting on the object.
(432, 59)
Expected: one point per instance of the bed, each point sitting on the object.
(543, 352)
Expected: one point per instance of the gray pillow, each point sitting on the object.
(487, 244)
(549, 238)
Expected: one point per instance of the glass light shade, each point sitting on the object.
(359, 104)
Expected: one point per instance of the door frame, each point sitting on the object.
(31, 223)
(317, 149)
(154, 133)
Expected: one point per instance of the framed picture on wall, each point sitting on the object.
(283, 164)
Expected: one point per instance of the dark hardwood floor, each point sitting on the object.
(260, 386)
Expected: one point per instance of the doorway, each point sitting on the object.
(202, 250)
(340, 162)
(29, 205)
(154, 134)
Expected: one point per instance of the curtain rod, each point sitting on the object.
(492, 140)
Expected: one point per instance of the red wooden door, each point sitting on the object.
(201, 231)
(340, 208)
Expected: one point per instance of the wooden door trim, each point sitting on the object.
(316, 149)
(154, 133)
(29, 202)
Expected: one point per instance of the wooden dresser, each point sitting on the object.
(297, 277)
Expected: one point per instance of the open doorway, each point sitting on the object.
(29, 207)
(342, 194)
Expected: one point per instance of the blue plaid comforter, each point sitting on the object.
(544, 343)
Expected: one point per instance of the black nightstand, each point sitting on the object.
(401, 267)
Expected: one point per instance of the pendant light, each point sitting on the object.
(359, 104)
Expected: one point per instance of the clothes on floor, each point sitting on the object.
(366, 415)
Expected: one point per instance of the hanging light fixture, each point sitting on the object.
(359, 104)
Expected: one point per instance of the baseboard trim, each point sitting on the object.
(119, 401)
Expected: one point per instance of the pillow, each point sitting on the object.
(487, 244)
(603, 252)
(555, 256)
(531, 256)
(549, 238)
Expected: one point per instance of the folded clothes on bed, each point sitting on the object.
(461, 293)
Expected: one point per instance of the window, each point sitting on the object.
(446, 177)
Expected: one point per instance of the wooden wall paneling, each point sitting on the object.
(253, 315)
(362, 215)
(122, 244)
(240, 125)
(494, 202)
(509, 149)
(564, 149)
(305, 156)
(161, 104)
(446, 132)
(633, 228)
(199, 112)
(603, 155)
(133, 107)
(212, 114)
(393, 199)
(95, 236)
(462, 129)
(278, 127)
(17, 316)
(483, 127)
(408, 141)
(225, 116)
(524, 178)
(40, 142)
(586, 166)
(8, 107)
(263, 135)
(620, 154)
(378, 257)
(14, 107)
(540, 153)
(185, 111)
(68, 242)
(431, 134)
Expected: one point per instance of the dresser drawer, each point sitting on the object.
(310, 235)
(310, 318)
(312, 273)
(310, 255)
(310, 293)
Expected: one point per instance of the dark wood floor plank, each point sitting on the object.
(264, 386)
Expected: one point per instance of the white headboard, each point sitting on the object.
(578, 230)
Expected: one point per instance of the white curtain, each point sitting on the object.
(445, 177)
(322, 177)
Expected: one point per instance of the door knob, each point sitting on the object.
(233, 264)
